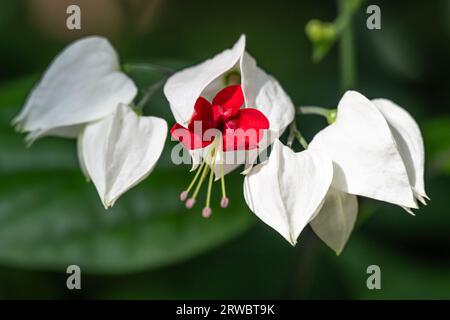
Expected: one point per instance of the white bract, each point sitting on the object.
(377, 151)
(373, 149)
(84, 94)
(288, 190)
(292, 189)
(83, 84)
(335, 221)
(121, 150)
(261, 91)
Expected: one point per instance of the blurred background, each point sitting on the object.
(149, 246)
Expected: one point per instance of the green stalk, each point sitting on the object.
(347, 50)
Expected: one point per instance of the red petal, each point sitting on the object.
(203, 113)
(245, 130)
(189, 139)
(229, 100)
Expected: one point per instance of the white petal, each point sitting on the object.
(336, 219)
(288, 189)
(82, 84)
(121, 150)
(264, 93)
(365, 156)
(184, 87)
(409, 141)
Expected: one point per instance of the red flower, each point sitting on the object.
(240, 128)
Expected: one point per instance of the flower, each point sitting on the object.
(287, 190)
(120, 151)
(293, 189)
(374, 149)
(377, 151)
(243, 96)
(83, 84)
(226, 116)
(83, 94)
(260, 90)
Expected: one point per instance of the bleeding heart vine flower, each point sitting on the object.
(227, 110)
(377, 151)
(374, 148)
(293, 189)
(120, 151)
(83, 84)
(84, 94)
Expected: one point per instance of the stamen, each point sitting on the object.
(190, 203)
(224, 201)
(206, 212)
(200, 182)
(185, 193)
(207, 209)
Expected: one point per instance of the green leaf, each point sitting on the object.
(51, 218)
(437, 143)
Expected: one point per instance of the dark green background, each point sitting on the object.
(148, 245)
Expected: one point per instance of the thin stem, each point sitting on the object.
(294, 133)
(197, 174)
(329, 114)
(200, 182)
(148, 93)
(211, 175)
(313, 110)
(128, 67)
(222, 180)
(347, 50)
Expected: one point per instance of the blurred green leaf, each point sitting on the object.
(51, 218)
(402, 276)
(437, 143)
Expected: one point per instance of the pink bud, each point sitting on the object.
(190, 203)
(206, 212)
(224, 202)
(183, 196)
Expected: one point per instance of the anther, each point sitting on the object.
(183, 195)
(224, 202)
(190, 203)
(206, 212)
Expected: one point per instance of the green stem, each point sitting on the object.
(313, 110)
(148, 93)
(294, 133)
(329, 114)
(347, 50)
(129, 67)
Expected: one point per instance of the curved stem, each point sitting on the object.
(313, 110)
(294, 133)
(329, 114)
(127, 67)
(148, 93)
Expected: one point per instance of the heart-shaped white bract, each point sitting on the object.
(121, 150)
(364, 153)
(287, 190)
(261, 91)
(83, 84)
(409, 142)
(335, 221)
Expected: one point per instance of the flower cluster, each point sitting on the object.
(228, 111)
(84, 95)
